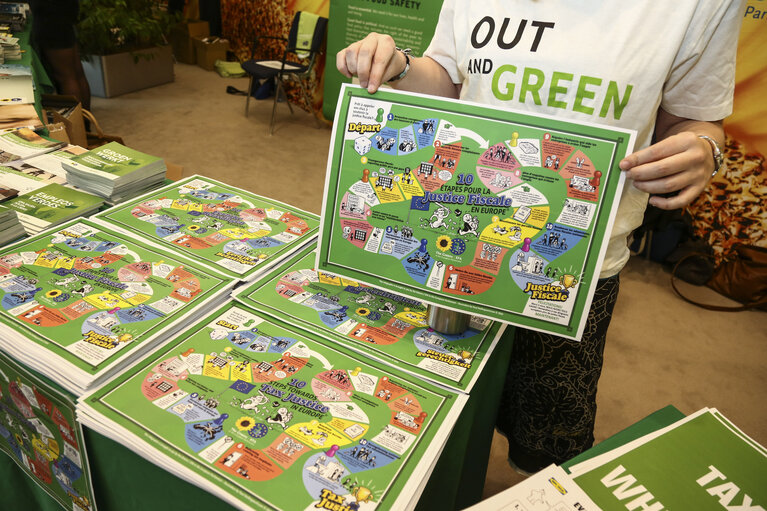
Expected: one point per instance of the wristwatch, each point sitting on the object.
(400, 76)
(716, 152)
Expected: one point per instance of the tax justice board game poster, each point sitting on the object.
(227, 228)
(391, 328)
(267, 417)
(38, 430)
(483, 210)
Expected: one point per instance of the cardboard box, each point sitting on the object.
(209, 50)
(173, 172)
(182, 40)
(71, 118)
(58, 131)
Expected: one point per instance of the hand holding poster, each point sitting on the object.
(476, 209)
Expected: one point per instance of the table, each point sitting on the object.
(125, 481)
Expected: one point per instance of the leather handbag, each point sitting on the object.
(742, 277)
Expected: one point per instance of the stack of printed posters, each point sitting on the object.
(385, 326)
(115, 172)
(234, 231)
(51, 205)
(702, 462)
(16, 85)
(23, 143)
(81, 301)
(266, 416)
(501, 214)
(10, 226)
(40, 433)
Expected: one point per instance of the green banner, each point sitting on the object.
(410, 23)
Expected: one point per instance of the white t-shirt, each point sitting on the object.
(608, 62)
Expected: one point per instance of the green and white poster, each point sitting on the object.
(77, 300)
(703, 462)
(224, 227)
(267, 417)
(484, 210)
(38, 430)
(410, 23)
(386, 326)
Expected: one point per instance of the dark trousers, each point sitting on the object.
(548, 406)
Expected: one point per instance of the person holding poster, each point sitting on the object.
(666, 73)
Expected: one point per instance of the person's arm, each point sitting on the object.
(374, 60)
(680, 161)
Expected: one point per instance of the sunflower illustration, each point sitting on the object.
(444, 243)
(245, 423)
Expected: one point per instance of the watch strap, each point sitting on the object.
(404, 72)
(716, 152)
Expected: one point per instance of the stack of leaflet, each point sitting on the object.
(81, 302)
(10, 47)
(51, 205)
(51, 162)
(15, 21)
(14, 181)
(14, 15)
(24, 143)
(115, 172)
(702, 462)
(349, 313)
(23, 179)
(10, 226)
(265, 416)
(16, 85)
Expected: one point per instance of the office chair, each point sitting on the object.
(304, 42)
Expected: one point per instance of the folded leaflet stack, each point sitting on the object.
(115, 172)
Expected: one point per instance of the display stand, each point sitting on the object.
(448, 322)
